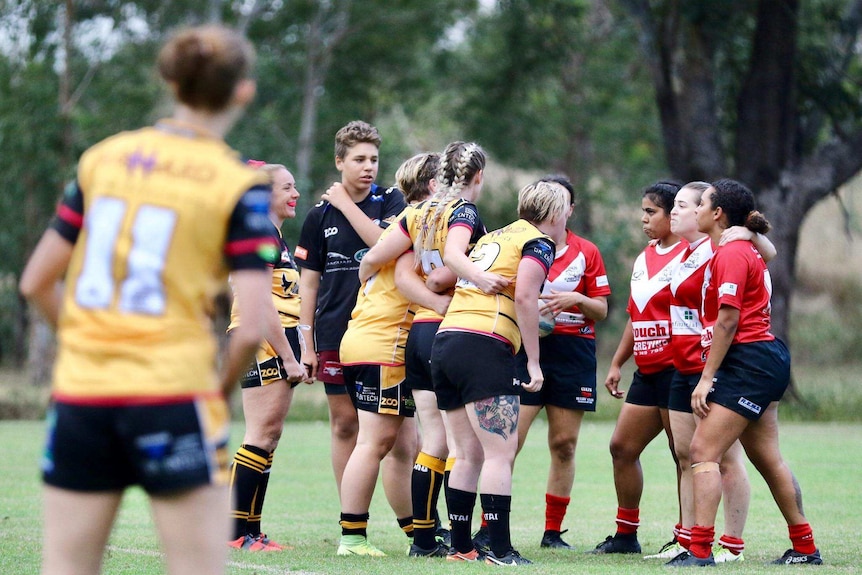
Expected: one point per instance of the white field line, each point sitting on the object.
(234, 564)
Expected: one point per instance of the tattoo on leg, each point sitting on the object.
(499, 415)
(798, 491)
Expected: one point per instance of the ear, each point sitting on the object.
(478, 177)
(244, 92)
(339, 163)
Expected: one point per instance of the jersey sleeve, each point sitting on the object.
(393, 205)
(309, 250)
(465, 215)
(597, 276)
(70, 213)
(729, 275)
(250, 244)
(541, 250)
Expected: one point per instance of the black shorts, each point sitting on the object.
(162, 448)
(467, 367)
(268, 368)
(331, 372)
(651, 390)
(418, 355)
(569, 366)
(379, 389)
(752, 376)
(681, 387)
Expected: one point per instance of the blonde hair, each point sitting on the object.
(459, 164)
(205, 64)
(268, 169)
(543, 201)
(414, 176)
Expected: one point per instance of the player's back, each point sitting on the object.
(148, 261)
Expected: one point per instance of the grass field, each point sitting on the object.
(302, 508)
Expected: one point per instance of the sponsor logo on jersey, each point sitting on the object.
(727, 288)
(602, 281)
(360, 254)
(388, 402)
(337, 256)
(300, 252)
(644, 330)
(327, 232)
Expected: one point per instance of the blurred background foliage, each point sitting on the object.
(613, 93)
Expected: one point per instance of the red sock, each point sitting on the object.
(628, 520)
(555, 511)
(484, 524)
(802, 538)
(684, 537)
(676, 530)
(735, 544)
(701, 541)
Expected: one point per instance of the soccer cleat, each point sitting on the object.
(669, 550)
(442, 535)
(619, 543)
(725, 555)
(553, 540)
(357, 545)
(259, 542)
(510, 558)
(455, 555)
(686, 559)
(792, 557)
(439, 550)
(482, 540)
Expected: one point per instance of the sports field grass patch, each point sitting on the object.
(302, 508)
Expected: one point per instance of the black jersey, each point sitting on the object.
(329, 245)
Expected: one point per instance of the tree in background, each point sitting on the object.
(765, 91)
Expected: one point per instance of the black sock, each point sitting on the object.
(425, 484)
(406, 525)
(460, 505)
(254, 518)
(248, 465)
(354, 524)
(495, 511)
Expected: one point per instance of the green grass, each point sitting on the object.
(302, 508)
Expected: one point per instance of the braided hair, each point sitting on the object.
(459, 164)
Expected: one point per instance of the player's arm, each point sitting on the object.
(441, 279)
(722, 337)
(455, 257)
(251, 289)
(309, 284)
(762, 244)
(595, 308)
(273, 333)
(42, 276)
(364, 226)
(531, 274)
(413, 287)
(386, 250)
(624, 351)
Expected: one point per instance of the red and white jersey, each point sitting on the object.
(578, 267)
(649, 306)
(738, 277)
(686, 290)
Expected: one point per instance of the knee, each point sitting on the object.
(562, 447)
(344, 427)
(622, 451)
(272, 435)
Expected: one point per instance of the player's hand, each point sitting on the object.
(555, 302)
(309, 362)
(337, 196)
(612, 383)
(491, 283)
(699, 405)
(735, 233)
(537, 378)
(442, 302)
(294, 371)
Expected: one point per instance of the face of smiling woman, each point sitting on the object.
(282, 204)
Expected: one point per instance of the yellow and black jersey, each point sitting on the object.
(380, 322)
(499, 252)
(285, 286)
(157, 218)
(459, 212)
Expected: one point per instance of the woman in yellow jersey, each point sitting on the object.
(141, 243)
(267, 387)
(473, 366)
(447, 225)
(372, 353)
